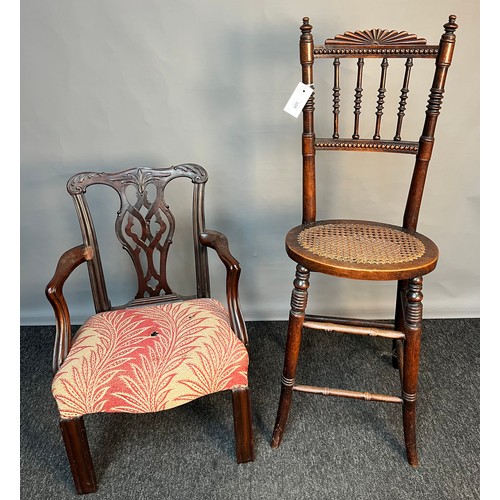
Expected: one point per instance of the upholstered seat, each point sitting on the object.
(148, 359)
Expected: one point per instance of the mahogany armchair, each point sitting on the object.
(365, 249)
(161, 349)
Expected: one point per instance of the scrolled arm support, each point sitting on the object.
(68, 262)
(219, 243)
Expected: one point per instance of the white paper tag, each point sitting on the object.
(298, 99)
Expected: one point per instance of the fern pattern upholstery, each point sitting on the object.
(149, 359)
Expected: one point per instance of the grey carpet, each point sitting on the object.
(333, 448)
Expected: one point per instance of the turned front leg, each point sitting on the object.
(413, 330)
(294, 337)
(399, 320)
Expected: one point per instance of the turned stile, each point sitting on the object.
(308, 137)
(426, 142)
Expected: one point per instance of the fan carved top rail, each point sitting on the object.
(376, 43)
(376, 37)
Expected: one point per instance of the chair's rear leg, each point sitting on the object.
(243, 429)
(398, 320)
(413, 330)
(80, 460)
(294, 337)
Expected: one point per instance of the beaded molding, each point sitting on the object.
(369, 145)
(430, 51)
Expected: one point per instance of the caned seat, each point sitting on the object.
(161, 349)
(361, 249)
(365, 249)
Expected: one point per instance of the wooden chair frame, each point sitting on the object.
(405, 332)
(73, 430)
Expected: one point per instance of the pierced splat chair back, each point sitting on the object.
(397, 49)
(145, 227)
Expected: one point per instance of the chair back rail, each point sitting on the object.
(386, 45)
(145, 226)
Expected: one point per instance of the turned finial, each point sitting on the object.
(306, 27)
(451, 25)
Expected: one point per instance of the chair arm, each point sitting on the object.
(218, 241)
(68, 262)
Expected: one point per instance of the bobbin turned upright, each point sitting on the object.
(365, 249)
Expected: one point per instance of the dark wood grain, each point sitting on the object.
(220, 244)
(361, 250)
(68, 262)
(242, 416)
(79, 457)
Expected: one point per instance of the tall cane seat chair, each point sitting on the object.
(160, 350)
(365, 249)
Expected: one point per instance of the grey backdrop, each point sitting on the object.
(111, 84)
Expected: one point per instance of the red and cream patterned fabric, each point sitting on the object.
(150, 359)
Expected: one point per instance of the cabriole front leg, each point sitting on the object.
(294, 337)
